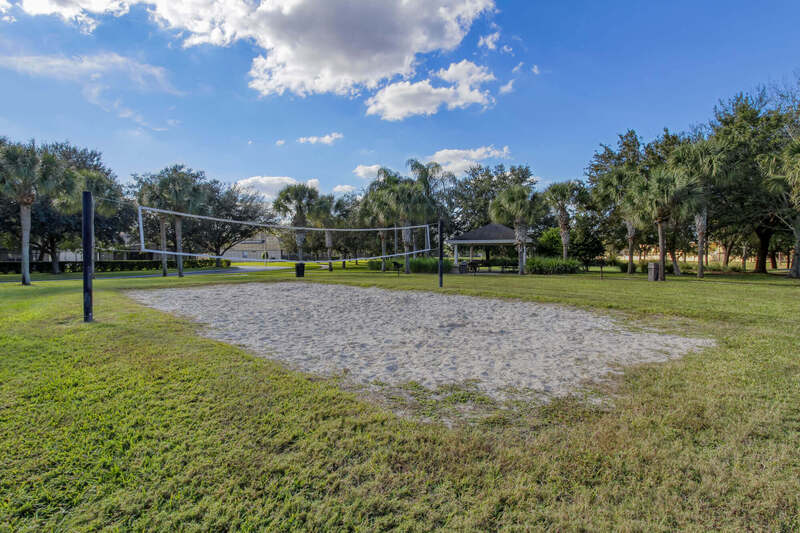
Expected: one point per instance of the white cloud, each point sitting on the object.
(367, 172)
(518, 67)
(343, 189)
(270, 186)
(249, 142)
(97, 74)
(330, 138)
(280, 142)
(536, 70)
(458, 161)
(92, 67)
(403, 99)
(508, 87)
(507, 49)
(335, 46)
(5, 5)
(489, 41)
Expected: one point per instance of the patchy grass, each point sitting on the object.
(135, 422)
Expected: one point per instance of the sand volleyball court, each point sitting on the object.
(396, 337)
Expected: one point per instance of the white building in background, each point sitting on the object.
(257, 247)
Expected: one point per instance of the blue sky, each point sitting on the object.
(298, 90)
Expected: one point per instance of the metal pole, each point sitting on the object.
(88, 254)
(441, 252)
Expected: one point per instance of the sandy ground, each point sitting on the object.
(396, 337)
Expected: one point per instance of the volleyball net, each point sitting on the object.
(176, 234)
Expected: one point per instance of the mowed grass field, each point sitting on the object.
(135, 422)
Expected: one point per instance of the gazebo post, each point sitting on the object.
(455, 254)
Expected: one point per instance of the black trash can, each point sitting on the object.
(299, 270)
(653, 271)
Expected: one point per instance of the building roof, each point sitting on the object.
(488, 234)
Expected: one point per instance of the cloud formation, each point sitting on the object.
(489, 41)
(402, 99)
(98, 74)
(367, 172)
(309, 47)
(343, 189)
(270, 186)
(330, 138)
(508, 87)
(458, 161)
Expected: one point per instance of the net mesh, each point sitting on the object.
(208, 237)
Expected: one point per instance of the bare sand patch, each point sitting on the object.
(396, 337)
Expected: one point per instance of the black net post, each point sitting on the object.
(88, 254)
(441, 252)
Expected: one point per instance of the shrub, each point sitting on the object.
(429, 265)
(549, 243)
(503, 261)
(374, 264)
(553, 265)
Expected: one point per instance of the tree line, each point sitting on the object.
(734, 181)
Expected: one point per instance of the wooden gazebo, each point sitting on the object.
(488, 235)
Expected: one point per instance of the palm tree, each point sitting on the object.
(616, 187)
(297, 200)
(663, 197)
(182, 190)
(515, 205)
(698, 159)
(26, 173)
(783, 170)
(562, 198)
(408, 202)
(322, 215)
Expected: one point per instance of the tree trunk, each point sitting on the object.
(744, 258)
(631, 234)
(564, 231)
(726, 256)
(794, 271)
(300, 239)
(521, 235)
(773, 259)
(764, 237)
(25, 220)
(700, 223)
(662, 252)
(676, 268)
(163, 223)
(55, 267)
(407, 246)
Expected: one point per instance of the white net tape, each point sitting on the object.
(416, 237)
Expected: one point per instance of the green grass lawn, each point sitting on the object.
(135, 422)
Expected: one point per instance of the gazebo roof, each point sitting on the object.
(488, 234)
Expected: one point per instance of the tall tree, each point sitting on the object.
(297, 201)
(613, 174)
(322, 216)
(473, 194)
(699, 159)
(408, 201)
(746, 130)
(563, 198)
(25, 173)
(661, 197)
(228, 202)
(518, 206)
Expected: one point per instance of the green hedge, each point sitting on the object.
(553, 265)
(15, 267)
(504, 261)
(429, 265)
